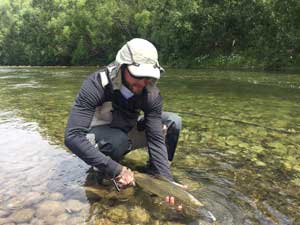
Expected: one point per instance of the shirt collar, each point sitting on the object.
(126, 92)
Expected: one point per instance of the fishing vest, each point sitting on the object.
(116, 110)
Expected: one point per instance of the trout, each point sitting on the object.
(162, 187)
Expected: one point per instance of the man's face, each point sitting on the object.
(134, 84)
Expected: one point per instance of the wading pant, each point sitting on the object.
(116, 143)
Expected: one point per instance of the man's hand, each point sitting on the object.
(125, 178)
(171, 200)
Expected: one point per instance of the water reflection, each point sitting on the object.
(38, 181)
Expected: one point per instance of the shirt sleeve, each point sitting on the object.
(156, 145)
(89, 97)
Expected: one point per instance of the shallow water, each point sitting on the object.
(238, 151)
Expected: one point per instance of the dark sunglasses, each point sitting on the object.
(139, 78)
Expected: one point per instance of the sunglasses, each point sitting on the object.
(138, 77)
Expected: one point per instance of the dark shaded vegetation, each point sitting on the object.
(188, 33)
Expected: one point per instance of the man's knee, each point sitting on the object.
(169, 118)
(115, 146)
(173, 124)
(112, 142)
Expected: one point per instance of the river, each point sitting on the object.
(239, 150)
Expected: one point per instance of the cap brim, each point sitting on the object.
(144, 70)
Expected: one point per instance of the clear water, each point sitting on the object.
(238, 151)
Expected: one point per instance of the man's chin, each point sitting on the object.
(137, 90)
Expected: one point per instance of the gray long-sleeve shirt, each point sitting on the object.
(91, 95)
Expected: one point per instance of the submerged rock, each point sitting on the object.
(73, 205)
(139, 215)
(103, 221)
(171, 223)
(4, 213)
(15, 203)
(199, 222)
(36, 221)
(60, 219)
(56, 196)
(5, 220)
(22, 216)
(232, 141)
(118, 214)
(32, 198)
(49, 208)
(75, 220)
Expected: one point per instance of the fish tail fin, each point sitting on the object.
(207, 215)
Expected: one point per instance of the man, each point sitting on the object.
(105, 121)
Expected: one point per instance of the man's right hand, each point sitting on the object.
(125, 178)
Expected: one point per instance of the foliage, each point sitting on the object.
(187, 32)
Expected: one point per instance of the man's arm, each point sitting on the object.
(90, 96)
(156, 144)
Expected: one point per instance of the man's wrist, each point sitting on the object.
(113, 169)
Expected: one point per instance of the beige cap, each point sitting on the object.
(142, 58)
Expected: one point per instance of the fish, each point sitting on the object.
(162, 187)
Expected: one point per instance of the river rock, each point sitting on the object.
(73, 205)
(139, 215)
(49, 208)
(50, 219)
(103, 221)
(172, 223)
(56, 196)
(22, 216)
(232, 141)
(15, 203)
(5, 220)
(156, 222)
(4, 213)
(125, 193)
(75, 220)
(199, 222)
(118, 214)
(32, 198)
(61, 219)
(36, 221)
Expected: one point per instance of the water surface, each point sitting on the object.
(238, 151)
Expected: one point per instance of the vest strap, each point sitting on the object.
(104, 79)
